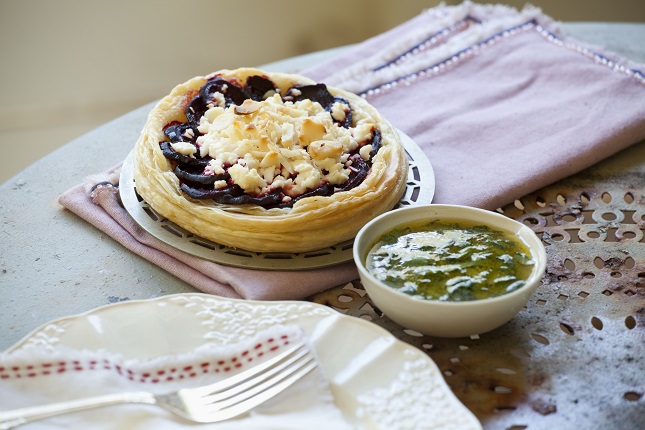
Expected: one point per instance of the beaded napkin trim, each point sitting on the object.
(450, 36)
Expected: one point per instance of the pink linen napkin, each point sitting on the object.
(101, 207)
(500, 101)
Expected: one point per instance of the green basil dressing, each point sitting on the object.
(450, 261)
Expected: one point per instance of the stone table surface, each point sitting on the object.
(54, 264)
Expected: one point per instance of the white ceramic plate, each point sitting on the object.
(378, 382)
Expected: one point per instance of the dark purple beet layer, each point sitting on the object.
(190, 171)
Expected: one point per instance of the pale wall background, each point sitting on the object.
(67, 66)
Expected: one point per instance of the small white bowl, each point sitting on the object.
(443, 318)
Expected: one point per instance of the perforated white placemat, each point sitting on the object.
(420, 190)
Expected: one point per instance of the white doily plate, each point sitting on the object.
(378, 381)
(420, 190)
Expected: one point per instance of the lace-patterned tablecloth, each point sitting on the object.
(575, 356)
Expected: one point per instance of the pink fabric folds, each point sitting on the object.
(499, 100)
(100, 206)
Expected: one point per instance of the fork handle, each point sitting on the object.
(14, 418)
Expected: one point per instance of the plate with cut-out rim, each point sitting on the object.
(420, 188)
(378, 381)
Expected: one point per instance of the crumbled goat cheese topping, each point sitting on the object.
(184, 148)
(217, 100)
(365, 152)
(295, 146)
(338, 111)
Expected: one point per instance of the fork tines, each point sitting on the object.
(248, 389)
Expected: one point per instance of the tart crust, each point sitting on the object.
(312, 223)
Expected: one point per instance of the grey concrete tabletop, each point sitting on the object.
(54, 264)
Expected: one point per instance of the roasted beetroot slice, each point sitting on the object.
(232, 93)
(347, 122)
(317, 93)
(171, 154)
(198, 178)
(360, 170)
(269, 200)
(232, 195)
(376, 143)
(195, 110)
(176, 133)
(324, 190)
(201, 193)
(257, 86)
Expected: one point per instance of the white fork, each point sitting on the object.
(210, 403)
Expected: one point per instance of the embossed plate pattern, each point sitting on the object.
(377, 380)
(420, 190)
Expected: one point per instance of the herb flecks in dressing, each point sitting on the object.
(450, 261)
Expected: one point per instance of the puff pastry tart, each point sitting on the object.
(268, 162)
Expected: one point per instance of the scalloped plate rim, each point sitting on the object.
(373, 329)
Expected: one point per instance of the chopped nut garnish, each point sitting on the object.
(249, 106)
